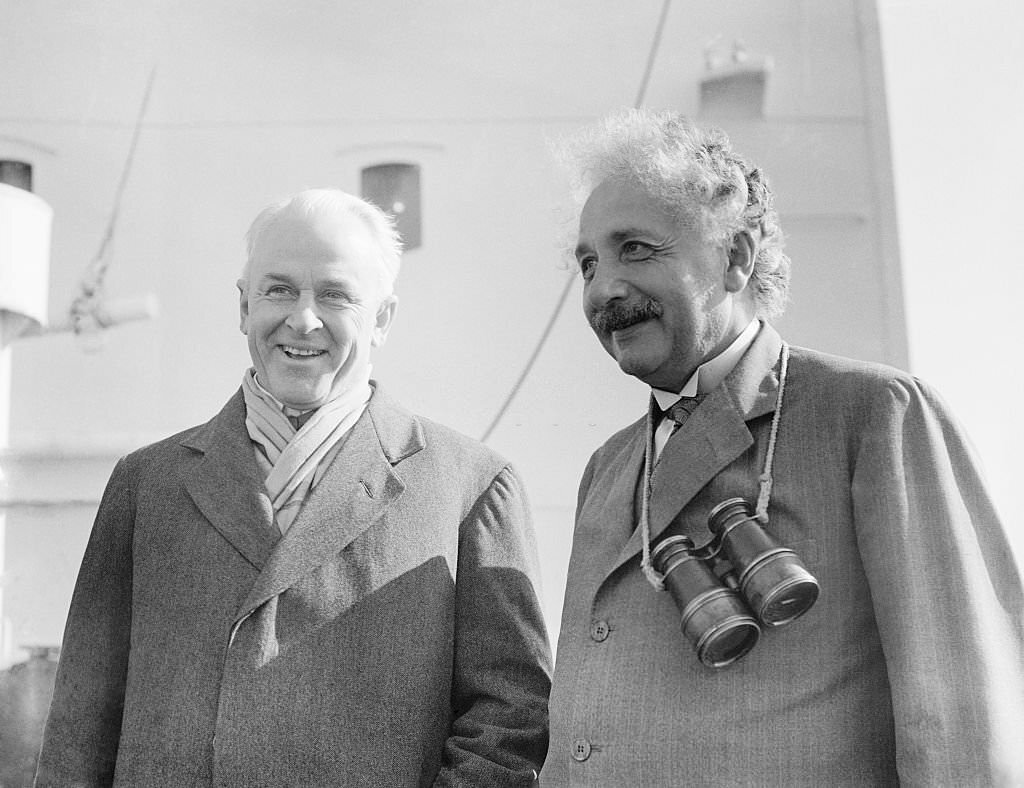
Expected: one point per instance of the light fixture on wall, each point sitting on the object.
(395, 188)
(734, 82)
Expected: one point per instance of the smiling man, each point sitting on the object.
(787, 571)
(316, 587)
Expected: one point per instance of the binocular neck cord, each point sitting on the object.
(764, 493)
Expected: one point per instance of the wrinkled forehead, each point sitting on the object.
(315, 236)
(317, 248)
(616, 205)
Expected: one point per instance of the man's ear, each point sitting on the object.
(243, 306)
(742, 255)
(385, 316)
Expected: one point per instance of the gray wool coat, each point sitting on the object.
(909, 668)
(393, 637)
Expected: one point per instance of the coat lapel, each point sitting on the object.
(608, 515)
(226, 484)
(712, 438)
(353, 494)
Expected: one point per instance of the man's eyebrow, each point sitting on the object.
(334, 283)
(615, 237)
(272, 277)
(337, 283)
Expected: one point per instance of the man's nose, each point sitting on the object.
(606, 285)
(304, 319)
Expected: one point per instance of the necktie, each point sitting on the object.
(674, 417)
(681, 410)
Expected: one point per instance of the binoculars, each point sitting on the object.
(725, 591)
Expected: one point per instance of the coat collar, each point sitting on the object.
(226, 484)
(353, 494)
(712, 438)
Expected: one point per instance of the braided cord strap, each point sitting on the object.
(654, 577)
(764, 493)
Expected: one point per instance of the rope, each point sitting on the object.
(92, 282)
(652, 54)
(641, 92)
(765, 479)
(533, 358)
(654, 577)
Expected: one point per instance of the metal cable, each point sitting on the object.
(92, 281)
(641, 92)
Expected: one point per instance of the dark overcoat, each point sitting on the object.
(393, 636)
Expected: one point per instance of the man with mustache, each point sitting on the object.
(788, 571)
(316, 587)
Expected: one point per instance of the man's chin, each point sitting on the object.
(631, 357)
(632, 365)
(305, 404)
(302, 398)
(656, 373)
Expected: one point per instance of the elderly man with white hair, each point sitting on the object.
(787, 571)
(315, 587)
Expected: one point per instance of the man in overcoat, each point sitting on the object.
(908, 666)
(315, 587)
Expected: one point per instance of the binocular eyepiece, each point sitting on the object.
(758, 582)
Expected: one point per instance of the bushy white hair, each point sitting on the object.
(696, 176)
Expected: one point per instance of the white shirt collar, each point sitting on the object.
(712, 372)
(286, 409)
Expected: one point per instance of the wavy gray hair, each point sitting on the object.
(695, 174)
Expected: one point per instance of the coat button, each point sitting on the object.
(580, 750)
(599, 630)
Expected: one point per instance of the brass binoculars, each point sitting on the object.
(740, 581)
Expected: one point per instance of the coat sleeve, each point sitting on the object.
(83, 727)
(947, 593)
(502, 671)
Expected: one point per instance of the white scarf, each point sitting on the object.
(295, 460)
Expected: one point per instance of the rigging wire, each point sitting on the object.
(652, 54)
(92, 281)
(570, 281)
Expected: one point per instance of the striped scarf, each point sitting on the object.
(293, 461)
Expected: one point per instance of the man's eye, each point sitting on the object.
(279, 291)
(587, 265)
(334, 297)
(633, 251)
